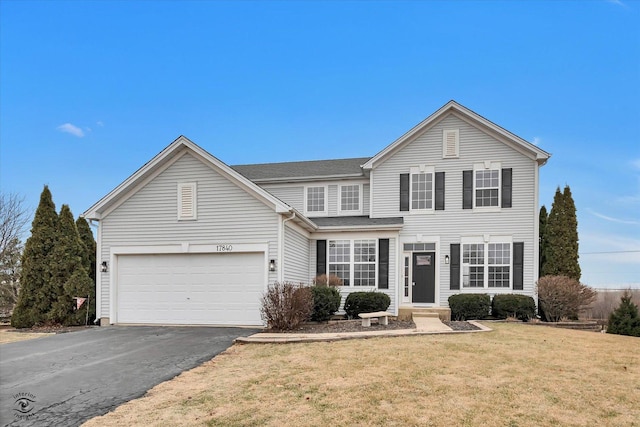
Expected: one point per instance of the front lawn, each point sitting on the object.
(518, 375)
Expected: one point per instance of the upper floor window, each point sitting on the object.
(316, 200)
(422, 190)
(187, 201)
(350, 199)
(487, 186)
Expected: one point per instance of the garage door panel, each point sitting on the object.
(190, 288)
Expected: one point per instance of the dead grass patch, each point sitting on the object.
(7, 336)
(518, 375)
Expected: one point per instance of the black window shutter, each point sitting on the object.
(321, 257)
(383, 264)
(454, 266)
(518, 266)
(467, 189)
(439, 191)
(404, 191)
(506, 188)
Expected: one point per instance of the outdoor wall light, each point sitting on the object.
(446, 259)
(104, 267)
(272, 265)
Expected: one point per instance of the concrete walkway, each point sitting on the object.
(424, 326)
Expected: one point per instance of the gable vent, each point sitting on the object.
(450, 143)
(187, 200)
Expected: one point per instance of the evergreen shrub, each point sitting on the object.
(625, 319)
(522, 307)
(365, 302)
(469, 306)
(326, 301)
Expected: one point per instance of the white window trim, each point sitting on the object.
(325, 212)
(444, 144)
(485, 166)
(352, 261)
(486, 240)
(194, 191)
(419, 170)
(360, 198)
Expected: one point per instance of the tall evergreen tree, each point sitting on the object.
(543, 239)
(66, 258)
(36, 296)
(562, 237)
(86, 237)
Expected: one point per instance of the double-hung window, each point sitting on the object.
(486, 265)
(422, 188)
(353, 261)
(350, 199)
(315, 200)
(486, 184)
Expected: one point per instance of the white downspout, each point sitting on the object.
(98, 273)
(280, 260)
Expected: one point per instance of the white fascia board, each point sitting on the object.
(388, 227)
(307, 178)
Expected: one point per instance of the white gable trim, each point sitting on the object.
(470, 117)
(164, 159)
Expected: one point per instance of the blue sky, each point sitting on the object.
(90, 91)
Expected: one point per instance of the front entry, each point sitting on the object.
(424, 277)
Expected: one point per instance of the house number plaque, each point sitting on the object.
(224, 248)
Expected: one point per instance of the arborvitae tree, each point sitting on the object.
(89, 255)
(543, 239)
(81, 285)
(625, 319)
(36, 298)
(66, 258)
(562, 237)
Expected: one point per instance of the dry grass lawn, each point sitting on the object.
(6, 336)
(518, 375)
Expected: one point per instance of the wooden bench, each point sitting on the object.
(382, 316)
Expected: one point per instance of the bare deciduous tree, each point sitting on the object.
(13, 219)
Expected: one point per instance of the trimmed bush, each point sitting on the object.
(522, 307)
(365, 302)
(326, 301)
(330, 280)
(286, 305)
(469, 306)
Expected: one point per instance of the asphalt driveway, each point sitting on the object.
(69, 378)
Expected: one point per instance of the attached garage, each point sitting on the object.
(190, 288)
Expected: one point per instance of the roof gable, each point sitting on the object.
(165, 158)
(474, 119)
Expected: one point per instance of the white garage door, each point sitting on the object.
(190, 289)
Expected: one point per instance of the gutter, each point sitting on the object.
(281, 247)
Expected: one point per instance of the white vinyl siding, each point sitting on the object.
(296, 257)
(226, 214)
(450, 224)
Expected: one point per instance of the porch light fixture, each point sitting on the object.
(446, 259)
(272, 265)
(104, 267)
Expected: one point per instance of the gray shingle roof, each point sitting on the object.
(356, 221)
(302, 170)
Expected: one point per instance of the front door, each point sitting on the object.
(424, 277)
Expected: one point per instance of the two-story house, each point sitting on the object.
(450, 207)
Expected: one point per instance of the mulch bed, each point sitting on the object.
(340, 326)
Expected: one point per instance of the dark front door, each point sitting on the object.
(424, 277)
